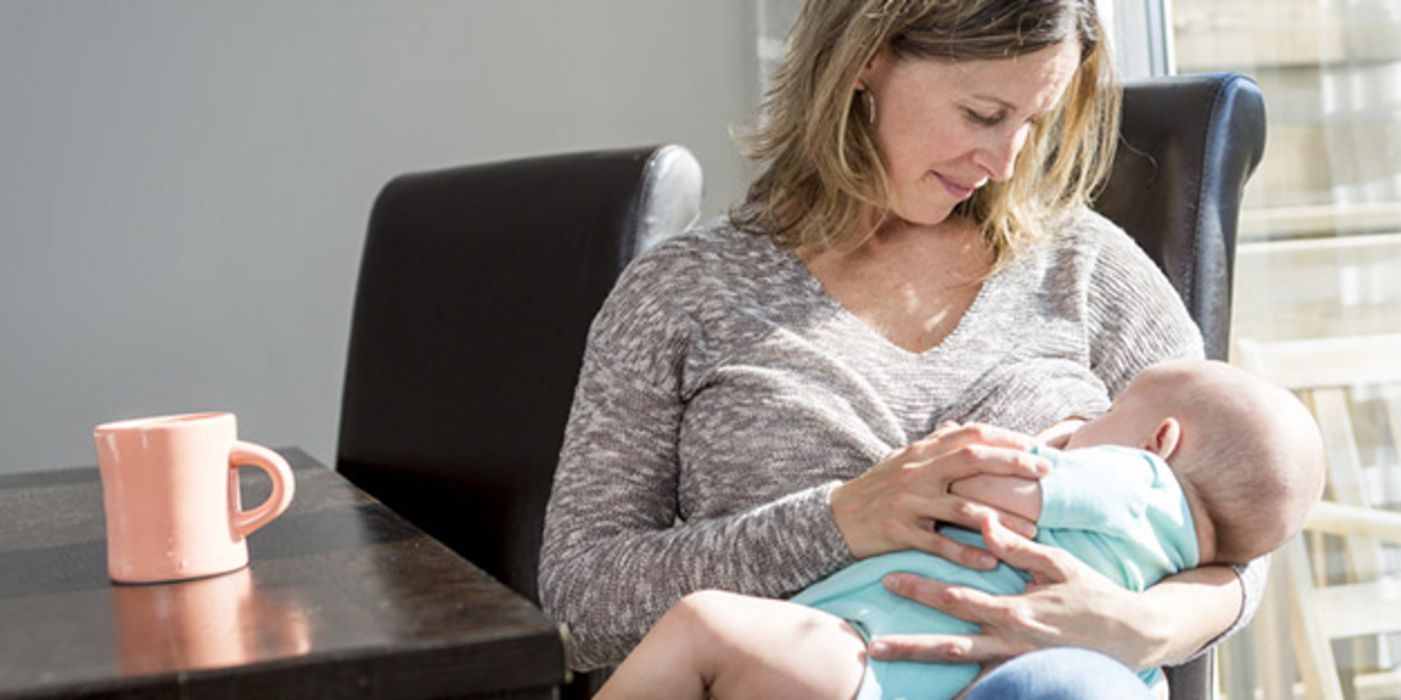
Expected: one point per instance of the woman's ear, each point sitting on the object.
(870, 70)
(1165, 439)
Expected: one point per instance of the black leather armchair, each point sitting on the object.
(478, 285)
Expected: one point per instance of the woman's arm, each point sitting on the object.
(1068, 603)
(1214, 595)
(614, 556)
(614, 559)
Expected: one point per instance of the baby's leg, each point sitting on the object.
(726, 645)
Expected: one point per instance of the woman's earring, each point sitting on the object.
(870, 107)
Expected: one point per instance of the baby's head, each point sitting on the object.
(1247, 453)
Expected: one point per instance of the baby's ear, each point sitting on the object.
(1165, 439)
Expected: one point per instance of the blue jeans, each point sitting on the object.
(1060, 674)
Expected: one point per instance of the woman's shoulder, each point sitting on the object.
(710, 259)
(1085, 230)
(1084, 243)
(710, 244)
(702, 266)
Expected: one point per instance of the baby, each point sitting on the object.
(1195, 463)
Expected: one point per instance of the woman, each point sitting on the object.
(759, 397)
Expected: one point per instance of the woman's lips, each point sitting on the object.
(960, 192)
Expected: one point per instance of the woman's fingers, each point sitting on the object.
(894, 503)
(920, 533)
(972, 459)
(1045, 564)
(988, 611)
(1068, 603)
(1017, 524)
(973, 434)
(948, 508)
(959, 601)
(940, 648)
(928, 540)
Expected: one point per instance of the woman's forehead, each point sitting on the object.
(1032, 82)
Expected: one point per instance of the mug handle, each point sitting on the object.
(245, 522)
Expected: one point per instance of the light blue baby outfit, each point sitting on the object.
(1120, 510)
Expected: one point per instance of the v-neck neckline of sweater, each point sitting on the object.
(966, 323)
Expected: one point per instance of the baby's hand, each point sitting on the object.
(1058, 435)
(1012, 494)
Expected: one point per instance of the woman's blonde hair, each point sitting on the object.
(822, 168)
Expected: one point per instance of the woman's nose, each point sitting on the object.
(998, 155)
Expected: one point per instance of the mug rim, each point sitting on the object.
(169, 421)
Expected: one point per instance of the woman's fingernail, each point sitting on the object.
(1027, 531)
(986, 561)
(893, 582)
(879, 648)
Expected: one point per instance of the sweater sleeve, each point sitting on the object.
(1136, 319)
(615, 553)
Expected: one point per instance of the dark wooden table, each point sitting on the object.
(342, 598)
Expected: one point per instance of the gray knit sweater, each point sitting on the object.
(724, 394)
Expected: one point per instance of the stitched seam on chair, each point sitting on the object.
(1207, 146)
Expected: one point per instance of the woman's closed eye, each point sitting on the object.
(981, 119)
(990, 120)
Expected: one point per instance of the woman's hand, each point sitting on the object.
(895, 504)
(1066, 604)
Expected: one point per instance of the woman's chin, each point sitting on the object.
(931, 206)
(931, 215)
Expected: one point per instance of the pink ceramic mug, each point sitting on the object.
(170, 491)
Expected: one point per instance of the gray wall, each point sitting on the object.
(184, 185)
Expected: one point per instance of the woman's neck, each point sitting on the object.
(954, 239)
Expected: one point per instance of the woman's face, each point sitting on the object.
(946, 128)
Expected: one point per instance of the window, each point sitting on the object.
(1318, 279)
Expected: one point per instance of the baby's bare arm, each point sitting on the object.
(1009, 493)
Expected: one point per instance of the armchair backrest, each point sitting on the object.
(475, 295)
(1188, 144)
